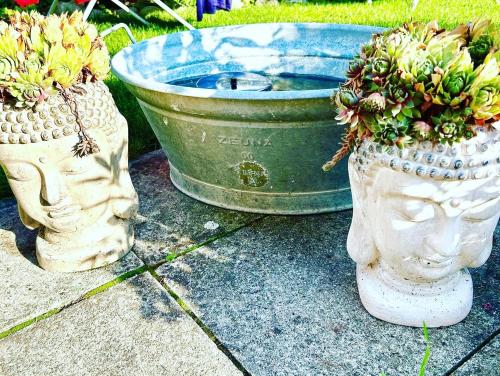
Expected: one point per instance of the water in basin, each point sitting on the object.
(259, 81)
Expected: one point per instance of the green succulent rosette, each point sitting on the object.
(8, 68)
(419, 82)
(485, 90)
(39, 55)
(454, 80)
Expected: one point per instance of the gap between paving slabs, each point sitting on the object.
(97, 290)
(476, 350)
(200, 323)
(169, 257)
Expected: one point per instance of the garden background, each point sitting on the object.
(386, 13)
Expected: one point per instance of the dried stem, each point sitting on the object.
(347, 142)
(87, 144)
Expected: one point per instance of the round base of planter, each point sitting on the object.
(289, 203)
(441, 303)
(68, 258)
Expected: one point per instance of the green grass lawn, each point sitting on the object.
(381, 13)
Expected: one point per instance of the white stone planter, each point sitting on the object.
(420, 217)
(82, 206)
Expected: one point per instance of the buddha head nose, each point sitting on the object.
(53, 188)
(444, 241)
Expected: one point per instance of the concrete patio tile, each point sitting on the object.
(486, 362)
(134, 328)
(281, 296)
(169, 220)
(26, 290)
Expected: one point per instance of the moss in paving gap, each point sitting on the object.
(24, 324)
(200, 323)
(97, 290)
(121, 278)
(117, 280)
(172, 256)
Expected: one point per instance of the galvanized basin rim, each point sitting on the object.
(131, 70)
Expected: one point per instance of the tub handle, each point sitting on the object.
(116, 27)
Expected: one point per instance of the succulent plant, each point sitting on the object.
(348, 97)
(375, 102)
(10, 45)
(480, 47)
(30, 87)
(481, 41)
(27, 95)
(98, 63)
(392, 131)
(39, 54)
(485, 91)
(8, 68)
(65, 64)
(455, 80)
(450, 127)
(421, 33)
(420, 82)
(355, 67)
(422, 130)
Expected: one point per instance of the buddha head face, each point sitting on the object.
(67, 194)
(422, 222)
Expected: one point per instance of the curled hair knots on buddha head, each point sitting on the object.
(53, 119)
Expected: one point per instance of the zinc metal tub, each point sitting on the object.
(247, 150)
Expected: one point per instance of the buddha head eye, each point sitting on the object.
(72, 171)
(422, 214)
(416, 210)
(21, 171)
(483, 212)
(74, 166)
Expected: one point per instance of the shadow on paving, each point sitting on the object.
(169, 222)
(107, 321)
(116, 332)
(281, 295)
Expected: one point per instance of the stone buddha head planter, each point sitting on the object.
(82, 206)
(63, 143)
(422, 105)
(421, 216)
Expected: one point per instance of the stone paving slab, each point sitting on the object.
(26, 290)
(281, 296)
(169, 220)
(134, 328)
(484, 363)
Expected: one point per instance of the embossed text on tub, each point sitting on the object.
(244, 141)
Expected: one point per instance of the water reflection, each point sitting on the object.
(259, 81)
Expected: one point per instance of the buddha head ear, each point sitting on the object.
(487, 237)
(26, 219)
(360, 243)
